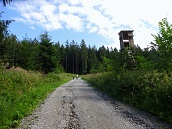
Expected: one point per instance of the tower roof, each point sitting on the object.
(124, 31)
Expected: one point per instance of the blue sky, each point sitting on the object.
(98, 22)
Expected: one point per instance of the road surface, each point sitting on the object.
(76, 105)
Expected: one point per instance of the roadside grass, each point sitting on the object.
(149, 91)
(22, 91)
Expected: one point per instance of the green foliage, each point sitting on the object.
(108, 64)
(101, 53)
(9, 50)
(92, 59)
(27, 54)
(47, 57)
(151, 91)
(4, 25)
(129, 59)
(84, 56)
(21, 91)
(144, 64)
(163, 44)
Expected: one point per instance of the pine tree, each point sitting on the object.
(66, 56)
(92, 59)
(47, 58)
(84, 56)
(9, 50)
(62, 57)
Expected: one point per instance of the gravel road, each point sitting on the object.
(76, 105)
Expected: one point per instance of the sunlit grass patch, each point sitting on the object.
(21, 91)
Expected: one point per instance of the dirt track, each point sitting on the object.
(76, 105)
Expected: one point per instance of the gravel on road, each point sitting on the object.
(76, 105)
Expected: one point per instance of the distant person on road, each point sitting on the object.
(77, 76)
(73, 77)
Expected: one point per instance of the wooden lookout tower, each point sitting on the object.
(126, 38)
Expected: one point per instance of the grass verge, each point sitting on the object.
(150, 91)
(22, 91)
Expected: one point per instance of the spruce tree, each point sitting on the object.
(47, 58)
(84, 56)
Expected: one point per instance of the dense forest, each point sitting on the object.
(46, 56)
(40, 54)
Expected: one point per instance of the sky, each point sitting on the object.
(98, 22)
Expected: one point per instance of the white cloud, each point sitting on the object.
(104, 17)
(75, 2)
(40, 13)
(48, 10)
(71, 21)
(93, 29)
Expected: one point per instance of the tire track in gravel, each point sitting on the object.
(56, 112)
(68, 112)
